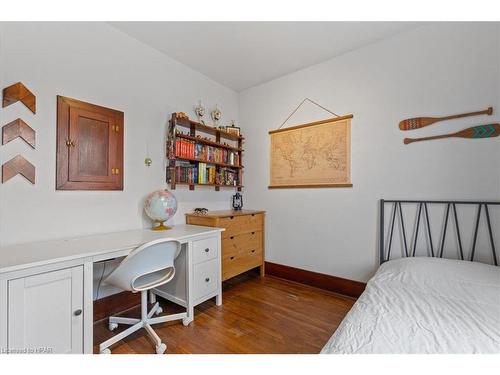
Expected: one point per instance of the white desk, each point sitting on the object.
(46, 291)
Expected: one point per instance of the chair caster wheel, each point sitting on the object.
(186, 322)
(112, 326)
(159, 311)
(106, 351)
(160, 349)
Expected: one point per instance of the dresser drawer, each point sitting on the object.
(241, 243)
(240, 262)
(240, 224)
(205, 278)
(204, 250)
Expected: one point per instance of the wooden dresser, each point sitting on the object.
(242, 241)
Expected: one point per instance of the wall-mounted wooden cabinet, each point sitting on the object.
(89, 146)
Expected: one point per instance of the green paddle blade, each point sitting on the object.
(485, 131)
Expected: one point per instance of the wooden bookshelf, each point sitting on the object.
(217, 186)
(207, 142)
(187, 123)
(198, 134)
(209, 162)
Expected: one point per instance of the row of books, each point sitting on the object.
(204, 174)
(192, 150)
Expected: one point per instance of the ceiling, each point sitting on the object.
(240, 55)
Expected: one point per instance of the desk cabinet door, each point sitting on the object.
(46, 312)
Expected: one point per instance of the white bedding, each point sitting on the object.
(424, 305)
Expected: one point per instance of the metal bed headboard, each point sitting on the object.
(422, 207)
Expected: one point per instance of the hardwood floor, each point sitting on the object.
(258, 315)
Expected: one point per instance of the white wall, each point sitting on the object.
(432, 70)
(96, 63)
(436, 69)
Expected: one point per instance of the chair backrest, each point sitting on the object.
(146, 267)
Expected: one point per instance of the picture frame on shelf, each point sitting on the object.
(236, 130)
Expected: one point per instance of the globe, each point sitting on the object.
(160, 206)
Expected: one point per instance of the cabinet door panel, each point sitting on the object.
(41, 315)
(90, 159)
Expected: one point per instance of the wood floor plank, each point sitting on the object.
(258, 315)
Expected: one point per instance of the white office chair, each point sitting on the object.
(145, 268)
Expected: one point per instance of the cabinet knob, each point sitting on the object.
(78, 312)
(207, 250)
(231, 258)
(253, 251)
(232, 237)
(231, 217)
(207, 279)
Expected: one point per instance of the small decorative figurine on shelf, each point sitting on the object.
(216, 116)
(199, 110)
(237, 201)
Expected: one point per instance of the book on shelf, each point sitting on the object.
(202, 174)
(190, 149)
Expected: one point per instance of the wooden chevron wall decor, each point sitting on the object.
(18, 92)
(18, 165)
(18, 128)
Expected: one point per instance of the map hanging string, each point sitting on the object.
(302, 102)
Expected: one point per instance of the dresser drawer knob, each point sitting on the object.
(253, 214)
(207, 250)
(253, 232)
(231, 258)
(207, 279)
(232, 237)
(78, 312)
(253, 251)
(231, 217)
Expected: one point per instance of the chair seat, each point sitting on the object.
(145, 268)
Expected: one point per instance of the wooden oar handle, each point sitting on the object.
(488, 111)
(407, 141)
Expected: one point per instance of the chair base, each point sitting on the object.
(136, 324)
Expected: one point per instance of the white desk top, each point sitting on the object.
(21, 256)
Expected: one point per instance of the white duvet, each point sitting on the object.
(424, 305)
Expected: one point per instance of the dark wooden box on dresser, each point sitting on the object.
(242, 241)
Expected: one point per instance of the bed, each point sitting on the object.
(425, 303)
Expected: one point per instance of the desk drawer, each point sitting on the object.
(204, 250)
(205, 278)
(240, 262)
(240, 224)
(241, 243)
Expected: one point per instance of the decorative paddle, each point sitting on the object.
(420, 122)
(481, 131)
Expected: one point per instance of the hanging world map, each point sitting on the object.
(312, 155)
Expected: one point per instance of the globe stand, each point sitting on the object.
(161, 226)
